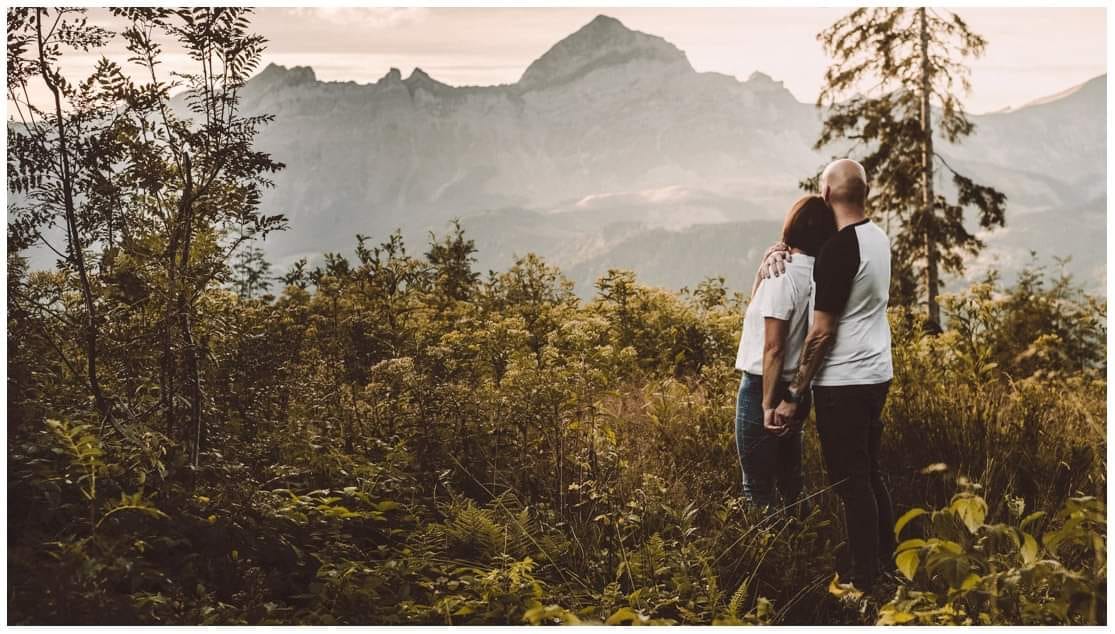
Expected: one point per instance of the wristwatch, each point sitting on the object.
(790, 396)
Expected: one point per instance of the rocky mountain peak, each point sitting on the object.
(765, 83)
(761, 78)
(276, 75)
(421, 79)
(1095, 88)
(602, 42)
(393, 75)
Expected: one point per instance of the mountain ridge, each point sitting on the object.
(606, 150)
(592, 41)
(611, 137)
(624, 165)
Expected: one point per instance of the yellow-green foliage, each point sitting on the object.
(394, 440)
(965, 571)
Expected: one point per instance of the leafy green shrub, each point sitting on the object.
(965, 571)
(406, 444)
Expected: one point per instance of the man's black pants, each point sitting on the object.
(850, 426)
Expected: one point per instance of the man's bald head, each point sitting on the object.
(844, 182)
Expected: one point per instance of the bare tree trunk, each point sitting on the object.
(168, 362)
(928, 197)
(561, 469)
(73, 235)
(184, 292)
(166, 373)
(185, 323)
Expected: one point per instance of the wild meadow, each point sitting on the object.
(395, 439)
(391, 436)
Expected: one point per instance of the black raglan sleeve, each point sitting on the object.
(834, 272)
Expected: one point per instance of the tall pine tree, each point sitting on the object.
(892, 86)
(251, 272)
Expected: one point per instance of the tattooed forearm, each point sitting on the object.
(817, 346)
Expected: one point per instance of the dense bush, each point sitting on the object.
(968, 572)
(395, 440)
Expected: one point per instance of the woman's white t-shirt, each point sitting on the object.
(788, 297)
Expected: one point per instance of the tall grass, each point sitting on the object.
(518, 456)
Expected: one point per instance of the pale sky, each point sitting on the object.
(1031, 53)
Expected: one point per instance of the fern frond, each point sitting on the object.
(738, 599)
(475, 530)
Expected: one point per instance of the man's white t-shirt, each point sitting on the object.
(852, 281)
(787, 297)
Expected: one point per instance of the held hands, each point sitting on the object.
(770, 422)
(785, 416)
(774, 261)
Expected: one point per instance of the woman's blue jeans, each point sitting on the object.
(771, 464)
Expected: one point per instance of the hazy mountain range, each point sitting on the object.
(612, 151)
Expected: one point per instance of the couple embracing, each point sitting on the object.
(816, 334)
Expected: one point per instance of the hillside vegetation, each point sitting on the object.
(393, 438)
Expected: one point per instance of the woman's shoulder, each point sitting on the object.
(800, 275)
(801, 266)
(798, 278)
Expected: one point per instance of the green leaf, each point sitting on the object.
(907, 562)
(1032, 517)
(911, 544)
(624, 615)
(971, 509)
(841, 590)
(388, 505)
(970, 581)
(895, 617)
(946, 546)
(1029, 548)
(905, 519)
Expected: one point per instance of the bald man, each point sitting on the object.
(847, 362)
